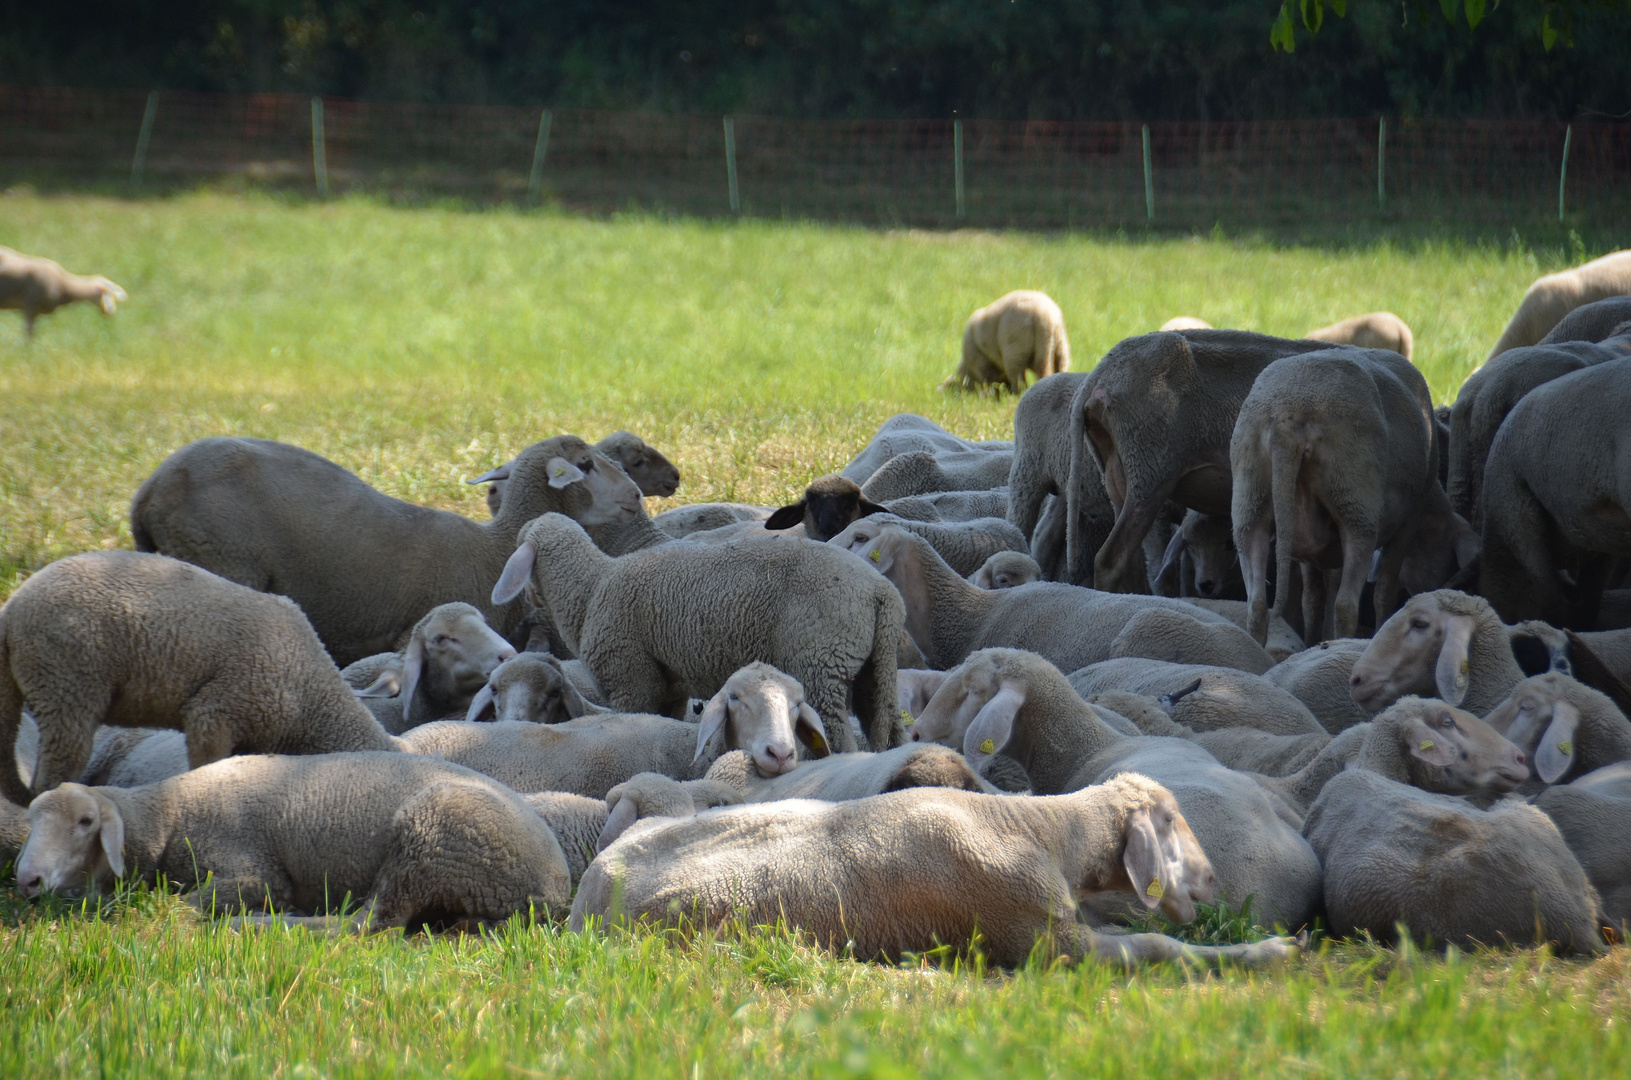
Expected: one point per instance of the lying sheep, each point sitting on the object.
(1181, 637)
(951, 505)
(839, 777)
(936, 865)
(410, 839)
(920, 473)
(1225, 697)
(1022, 331)
(1015, 703)
(1552, 297)
(965, 546)
(1394, 854)
(1443, 643)
(1567, 728)
(1282, 642)
(533, 688)
(1377, 330)
(1590, 322)
(37, 286)
(651, 472)
(120, 637)
(1006, 570)
(663, 625)
(1040, 478)
(682, 521)
(363, 566)
(131, 757)
(1321, 678)
(449, 655)
(585, 827)
(830, 505)
(1244, 749)
(1334, 458)
(1593, 814)
(949, 618)
(906, 433)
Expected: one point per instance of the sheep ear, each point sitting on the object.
(868, 507)
(807, 728)
(1428, 746)
(576, 704)
(389, 684)
(786, 517)
(624, 814)
(1175, 548)
(1555, 752)
(517, 572)
(413, 666)
(1142, 859)
(711, 724)
(113, 834)
(562, 472)
(501, 472)
(993, 726)
(877, 556)
(1451, 673)
(481, 704)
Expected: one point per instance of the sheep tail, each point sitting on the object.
(11, 715)
(1285, 461)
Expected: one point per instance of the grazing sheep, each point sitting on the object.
(1593, 814)
(1443, 643)
(1152, 424)
(363, 566)
(682, 521)
(584, 826)
(651, 472)
(534, 688)
(922, 473)
(1185, 322)
(1225, 698)
(661, 626)
(135, 640)
(1557, 490)
(830, 505)
(1015, 703)
(1394, 854)
(412, 840)
(1334, 458)
(450, 654)
(1377, 330)
(965, 546)
(1321, 677)
(1566, 727)
(1591, 322)
(949, 618)
(906, 433)
(1022, 331)
(1040, 476)
(912, 870)
(38, 287)
(839, 777)
(1552, 297)
(1180, 637)
(1006, 570)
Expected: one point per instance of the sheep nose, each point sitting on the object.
(1206, 587)
(1519, 757)
(779, 757)
(1355, 682)
(30, 885)
(917, 736)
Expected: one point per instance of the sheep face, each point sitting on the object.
(1211, 548)
(455, 653)
(76, 840)
(1539, 717)
(596, 491)
(1163, 862)
(830, 505)
(1421, 649)
(763, 711)
(529, 688)
(1007, 570)
(914, 688)
(651, 472)
(1451, 751)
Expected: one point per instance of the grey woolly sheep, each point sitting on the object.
(830, 504)
(1566, 727)
(682, 521)
(661, 626)
(951, 505)
(1023, 331)
(449, 655)
(1321, 677)
(412, 840)
(534, 688)
(921, 473)
(363, 566)
(131, 757)
(906, 433)
(1443, 643)
(13, 830)
(1283, 640)
(1594, 816)
(1225, 697)
(651, 472)
(1591, 322)
(1244, 749)
(838, 777)
(1184, 638)
(965, 546)
(912, 870)
(135, 640)
(36, 286)
(1376, 330)
(1005, 570)
(1203, 546)
(586, 826)
(1041, 472)
(1552, 297)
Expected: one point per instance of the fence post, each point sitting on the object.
(730, 164)
(319, 148)
(139, 161)
(1149, 184)
(1381, 162)
(957, 148)
(538, 153)
(1563, 173)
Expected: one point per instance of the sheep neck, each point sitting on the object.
(1383, 753)
(621, 537)
(1054, 734)
(1490, 654)
(566, 572)
(1306, 782)
(942, 610)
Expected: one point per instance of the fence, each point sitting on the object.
(936, 173)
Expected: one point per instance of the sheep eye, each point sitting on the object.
(86, 822)
(1418, 624)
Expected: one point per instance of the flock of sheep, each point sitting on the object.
(1019, 691)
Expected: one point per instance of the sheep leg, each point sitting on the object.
(829, 698)
(208, 739)
(29, 315)
(1358, 545)
(1118, 567)
(12, 785)
(1254, 564)
(1313, 601)
(67, 730)
(1386, 593)
(1131, 950)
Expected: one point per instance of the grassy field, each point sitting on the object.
(419, 347)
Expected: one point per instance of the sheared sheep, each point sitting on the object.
(450, 654)
(1377, 330)
(1552, 297)
(1022, 331)
(37, 286)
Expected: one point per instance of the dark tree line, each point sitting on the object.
(1042, 59)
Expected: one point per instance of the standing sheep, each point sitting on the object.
(38, 287)
(1041, 468)
(1377, 330)
(1555, 295)
(1592, 322)
(135, 640)
(1022, 331)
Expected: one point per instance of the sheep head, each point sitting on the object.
(763, 711)
(76, 840)
(830, 505)
(1423, 648)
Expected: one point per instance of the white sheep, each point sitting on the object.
(1185, 322)
(1320, 678)
(923, 473)
(1593, 814)
(37, 286)
(449, 655)
(1022, 331)
(1555, 295)
(682, 521)
(906, 433)
(1376, 330)
(533, 688)
(964, 545)
(584, 826)
(838, 777)
(1188, 637)
(1566, 727)
(1224, 698)
(1444, 643)
(1006, 570)
(651, 472)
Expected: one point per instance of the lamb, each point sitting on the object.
(1182, 637)
(1040, 478)
(532, 688)
(414, 840)
(1552, 297)
(1015, 703)
(1006, 570)
(1442, 643)
(682, 521)
(1224, 698)
(1377, 330)
(651, 472)
(136, 640)
(921, 473)
(584, 827)
(1593, 814)
(37, 286)
(949, 618)
(912, 870)
(965, 546)
(363, 566)
(1591, 322)
(840, 777)
(1566, 727)
(830, 505)
(1394, 854)
(1320, 677)
(663, 625)
(1022, 331)
(450, 654)
(1152, 424)
(1333, 459)
(905, 433)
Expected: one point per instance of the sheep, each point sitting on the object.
(1203, 550)
(1557, 489)
(363, 566)
(1591, 322)
(412, 840)
(1442, 643)
(965, 546)
(13, 830)
(1566, 727)
(1593, 814)
(1182, 637)
(922, 473)
(949, 618)
(131, 757)
(584, 826)
(1394, 854)
(839, 777)
(912, 870)
(1225, 698)
(662, 625)
(36, 286)
(531, 687)
(1320, 677)
(1552, 297)
(1015, 703)
(1152, 424)
(1022, 331)
(951, 505)
(651, 472)
(1040, 478)
(1006, 570)
(137, 640)
(1333, 459)
(1244, 749)
(905, 433)
(1377, 330)
(830, 505)
(450, 654)
(1185, 322)
(682, 521)
(1282, 641)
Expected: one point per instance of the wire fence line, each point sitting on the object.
(933, 173)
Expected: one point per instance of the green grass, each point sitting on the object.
(419, 347)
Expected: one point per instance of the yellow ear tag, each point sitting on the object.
(988, 747)
(907, 718)
(875, 556)
(1154, 889)
(817, 742)
(559, 472)
(1565, 747)
(1426, 744)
